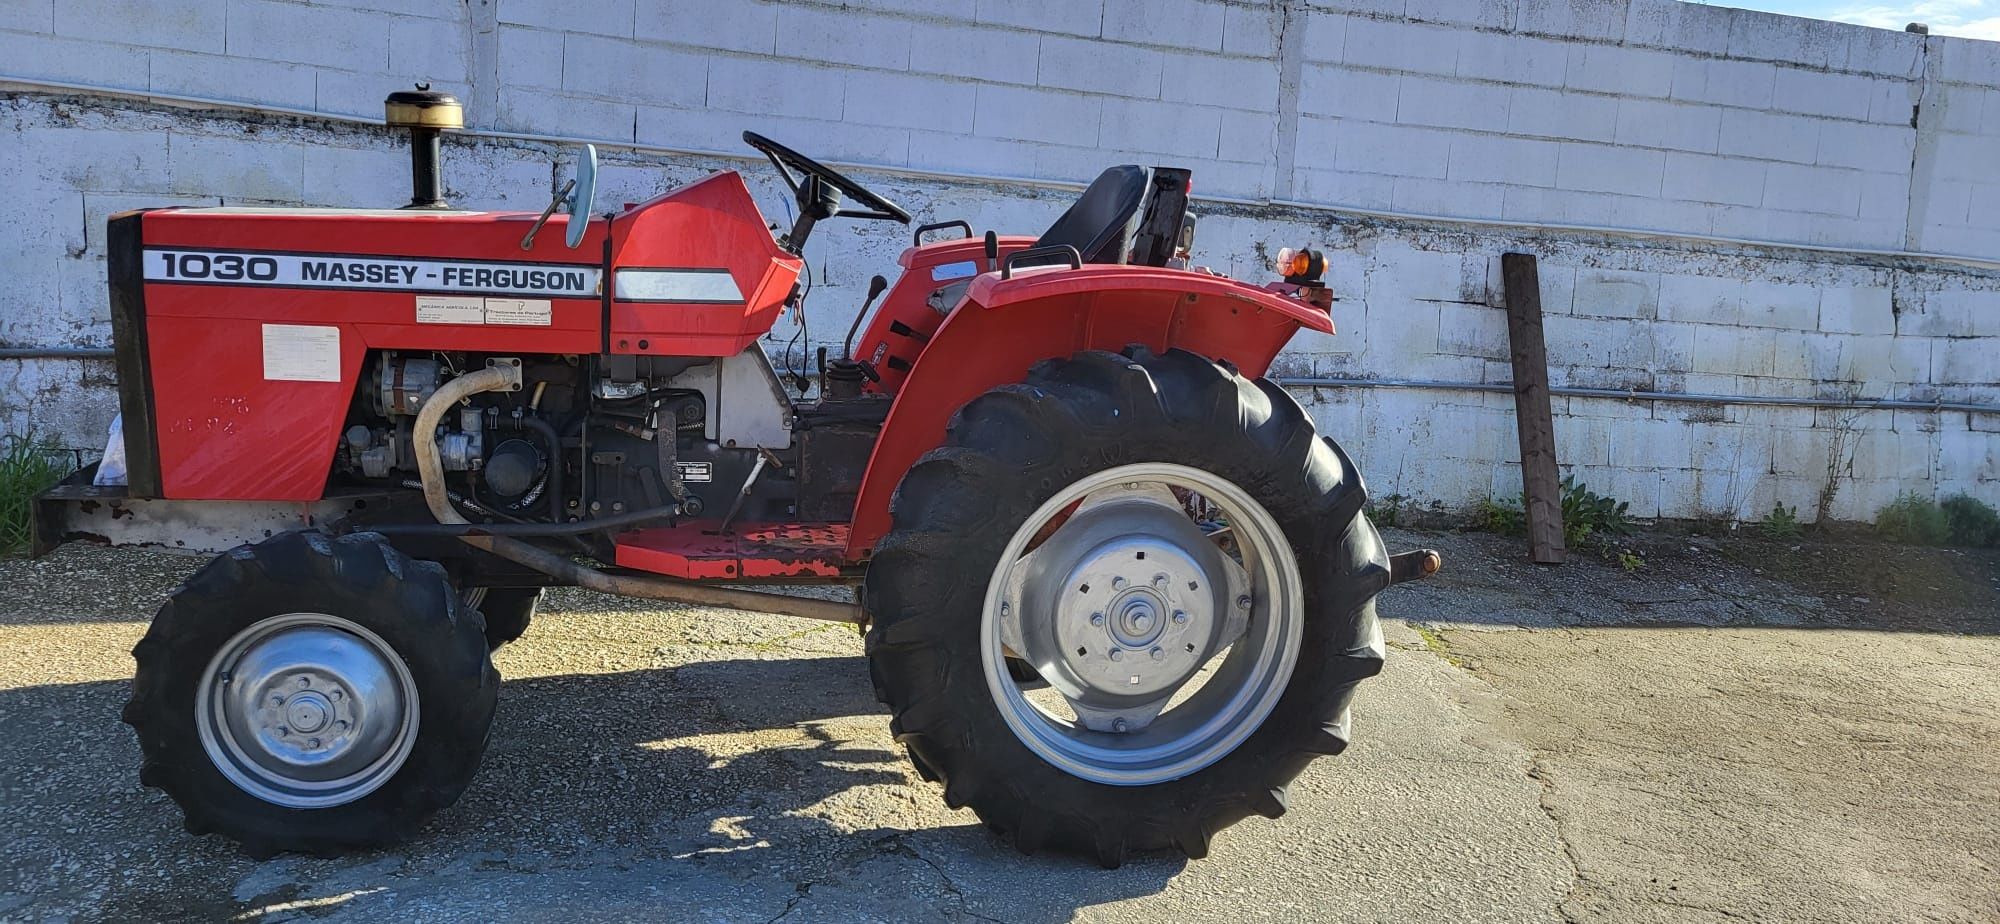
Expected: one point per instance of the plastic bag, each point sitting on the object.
(111, 469)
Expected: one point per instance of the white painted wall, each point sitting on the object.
(1651, 115)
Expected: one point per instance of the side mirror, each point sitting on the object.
(585, 193)
(577, 195)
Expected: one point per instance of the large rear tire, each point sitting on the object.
(313, 694)
(1027, 536)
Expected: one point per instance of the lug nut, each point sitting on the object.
(1004, 608)
(1118, 583)
(1097, 619)
(1243, 602)
(1180, 617)
(1159, 654)
(1160, 581)
(312, 743)
(1119, 726)
(1117, 654)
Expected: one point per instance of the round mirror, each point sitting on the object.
(580, 198)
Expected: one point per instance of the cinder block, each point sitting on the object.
(236, 168)
(1859, 310)
(1353, 190)
(531, 110)
(1403, 272)
(1605, 343)
(738, 26)
(1099, 67)
(1600, 20)
(1956, 312)
(1839, 96)
(1885, 53)
(1451, 104)
(1797, 188)
(1395, 150)
(1658, 124)
(951, 151)
(346, 39)
(911, 101)
(1333, 90)
(434, 48)
(1602, 168)
(1401, 333)
(1485, 14)
(1401, 46)
(1760, 36)
(846, 37)
(1893, 101)
(186, 26)
(1472, 330)
(773, 87)
(1746, 84)
(1609, 293)
(1251, 31)
(1076, 17)
(1036, 115)
(610, 17)
(28, 16)
(1702, 178)
(345, 176)
(1500, 159)
(998, 55)
(1673, 346)
(1678, 25)
(1967, 60)
(1722, 350)
(1558, 285)
(1156, 127)
(100, 64)
(1175, 23)
(1880, 148)
(1247, 136)
(530, 57)
(1508, 58)
(1620, 71)
(1325, 37)
(1770, 136)
(1777, 304)
(1235, 83)
(1571, 116)
(219, 77)
(1426, 196)
(628, 71)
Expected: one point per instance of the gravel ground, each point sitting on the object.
(1690, 743)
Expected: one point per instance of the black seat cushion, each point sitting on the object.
(1103, 221)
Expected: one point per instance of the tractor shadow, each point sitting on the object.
(701, 790)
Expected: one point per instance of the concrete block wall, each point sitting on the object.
(1651, 115)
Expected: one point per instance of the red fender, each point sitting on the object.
(1005, 326)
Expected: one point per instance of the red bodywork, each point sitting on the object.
(226, 431)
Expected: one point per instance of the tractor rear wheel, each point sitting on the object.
(507, 611)
(314, 694)
(1175, 553)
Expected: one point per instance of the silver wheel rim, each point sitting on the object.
(1165, 612)
(307, 710)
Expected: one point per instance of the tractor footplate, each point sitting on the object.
(699, 551)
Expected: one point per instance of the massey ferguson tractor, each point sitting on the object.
(1117, 593)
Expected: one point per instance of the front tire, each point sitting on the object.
(313, 694)
(1019, 533)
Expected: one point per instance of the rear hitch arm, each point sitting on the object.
(1414, 565)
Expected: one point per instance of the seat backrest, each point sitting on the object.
(1103, 221)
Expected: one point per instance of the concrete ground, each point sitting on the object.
(1697, 741)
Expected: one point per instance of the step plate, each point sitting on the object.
(696, 550)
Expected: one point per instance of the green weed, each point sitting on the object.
(1782, 523)
(27, 467)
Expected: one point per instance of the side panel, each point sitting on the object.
(250, 378)
(695, 272)
(904, 320)
(1006, 326)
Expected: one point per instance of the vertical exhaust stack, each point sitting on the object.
(427, 114)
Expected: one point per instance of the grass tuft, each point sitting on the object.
(28, 466)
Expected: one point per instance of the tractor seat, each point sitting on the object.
(1103, 221)
(1100, 224)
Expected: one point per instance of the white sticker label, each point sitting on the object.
(301, 353)
(532, 312)
(695, 471)
(450, 309)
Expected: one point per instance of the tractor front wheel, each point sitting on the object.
(1181, 564)
(314, 694)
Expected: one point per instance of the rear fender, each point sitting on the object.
(1006, 326)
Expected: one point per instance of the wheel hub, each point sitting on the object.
(1167, 650)
(307, 710)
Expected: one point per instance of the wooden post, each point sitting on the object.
(1532, 417)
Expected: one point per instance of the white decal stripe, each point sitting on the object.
(339, 271)
(715, 286)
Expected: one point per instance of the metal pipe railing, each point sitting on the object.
(1570, 391)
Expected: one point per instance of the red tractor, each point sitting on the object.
(1117, 593)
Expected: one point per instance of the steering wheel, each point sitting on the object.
(815, 173)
